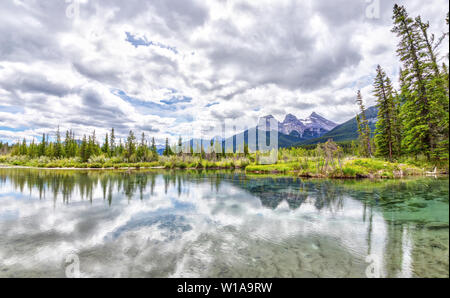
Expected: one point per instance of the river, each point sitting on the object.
(160, 223)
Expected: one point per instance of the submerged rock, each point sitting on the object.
(436, 225)
(417, 204)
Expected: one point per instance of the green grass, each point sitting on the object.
(45, 162)
(173, 162)
(351, 168)
(294, 163)
(273, 168)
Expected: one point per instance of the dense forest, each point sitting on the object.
(413, 121)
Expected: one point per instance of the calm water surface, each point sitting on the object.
(220, 224)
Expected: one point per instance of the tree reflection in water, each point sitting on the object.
(314, 227)
(270, 190)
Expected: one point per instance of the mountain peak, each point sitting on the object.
(314, 125)
(290, 118)
(318, 121)
(315, 115)
(265, 122)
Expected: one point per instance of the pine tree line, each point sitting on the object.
(131, 150)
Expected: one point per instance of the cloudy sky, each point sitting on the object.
(163, 66)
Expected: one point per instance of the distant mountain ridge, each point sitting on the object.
(346, 131)
(293, 132)
(313, 126)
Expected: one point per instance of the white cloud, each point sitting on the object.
(248, 58)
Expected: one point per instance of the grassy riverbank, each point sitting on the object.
(172, 162)
(350, 167)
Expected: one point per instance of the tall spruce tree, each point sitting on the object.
(90, 147)
(68, 144)
(363, 127)
(58, 150)
(437, 89)
(180, 145)
(386, 133)
(23, 147)
(153, 148)
(84, 150)
(142, 150)
(430, 44)
(167, 149)
(130, 146)
(106, 148)
(42, 145)
(112, 142)
(32, 151)
(416, 110)
(424, 90)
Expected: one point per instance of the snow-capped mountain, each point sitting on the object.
(290, 124)
(313, 126)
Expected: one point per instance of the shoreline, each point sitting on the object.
(273, 172)
(6, 166)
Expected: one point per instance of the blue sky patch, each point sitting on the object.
(12, 129)
(148, 107)
(212, 104)
(142, 41)
(12, 109)
(176, 99)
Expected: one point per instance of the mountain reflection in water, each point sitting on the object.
(220, 224)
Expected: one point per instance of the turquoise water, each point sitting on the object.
(219, 224)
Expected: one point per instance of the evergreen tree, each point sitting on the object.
(23, 147)
(396, 122)
(437, 90)
(84, 150)
(41, 150)
(105, 147)
(353, 147)
(68, 144)
(142, 151)
(211, 146)
(385, 133)
(49, 150)
(130, 146)
(180, 145)
(47, 145)
(32, 150)
(430, 45)
(167, 149)
(58, 150)
(153, 148)
(89, 148)
(246, 152)
(112, 141)
(120, 148)
(73, 145)
(363, 127)
(415, 112)
(424, 88)
(96, 150)
(445, 76)
(447, 33)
